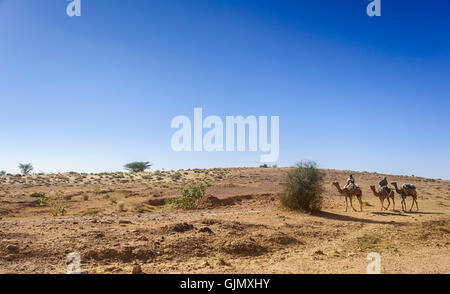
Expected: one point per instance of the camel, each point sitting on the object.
(382, 196)
(405, 192)
(349, 194)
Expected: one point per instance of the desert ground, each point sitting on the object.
(118, 222)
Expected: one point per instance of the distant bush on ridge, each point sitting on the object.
(138, 166)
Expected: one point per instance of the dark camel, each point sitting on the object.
(405, 192)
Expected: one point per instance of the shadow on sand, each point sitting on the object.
(421, 212)
(348, 218)
(395, 213)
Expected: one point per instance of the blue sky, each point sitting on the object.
(92, 93)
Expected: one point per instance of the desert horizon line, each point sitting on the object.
(155, 170)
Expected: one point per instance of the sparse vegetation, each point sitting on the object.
(37, 195)
(239, 224)
(303, 188)
(221, 261)
(191, 196)
(2, 172)
(138, 166)
(91, 212)
(58, 204)
(25, 168)
(121, 206)
(43, 200)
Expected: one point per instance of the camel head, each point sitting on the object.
(336, 184)
(373, 189)
(394, 184)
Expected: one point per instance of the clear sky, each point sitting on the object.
(92, 93)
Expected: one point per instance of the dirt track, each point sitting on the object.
(240, 228)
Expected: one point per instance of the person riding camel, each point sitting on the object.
(384, 186)
(350, 183)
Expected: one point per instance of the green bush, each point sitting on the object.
(138, 166)
(303, 188)
(37, 194)
(43, 200)
(121, 206)
(58, 204)
(2, 172)
(191, 196)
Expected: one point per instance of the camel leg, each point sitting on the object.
(403, 204)
(351, 203)
(389, 203)
(346, 204)
(381, 203)
(360, 203)
(417, 205)
(412, 205)
(393, 204)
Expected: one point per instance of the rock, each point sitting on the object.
(157, 202)
(206, 230)
(123, 221)
(182, 227)
(99, 235)
(137, 270)
(12, 248)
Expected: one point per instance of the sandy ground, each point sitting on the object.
(239, 229)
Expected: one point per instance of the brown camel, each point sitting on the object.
(405, 192)
(349, 194)
(382, 195)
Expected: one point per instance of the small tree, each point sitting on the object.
(2, 172)
(25, 168)
(138, 166)
(303, 188)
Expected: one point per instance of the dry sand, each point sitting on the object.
(239, 229)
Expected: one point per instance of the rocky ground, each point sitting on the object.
(120, 222)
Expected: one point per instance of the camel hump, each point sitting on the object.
(409, 186)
